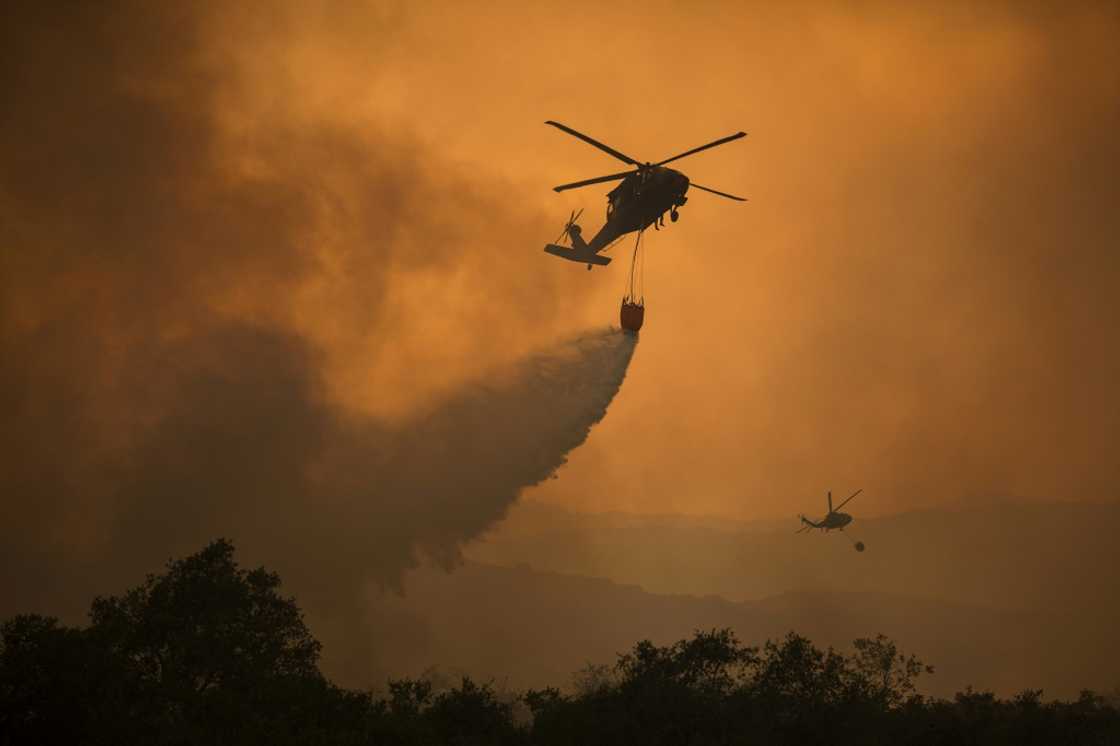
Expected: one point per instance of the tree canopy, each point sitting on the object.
(208, 652)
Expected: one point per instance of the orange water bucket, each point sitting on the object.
(631, 315)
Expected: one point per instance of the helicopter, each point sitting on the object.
(833, 520)
(642, 198)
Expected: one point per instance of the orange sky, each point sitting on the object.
(916, 299)
(254, 260)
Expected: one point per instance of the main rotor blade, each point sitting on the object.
(596, 180)
(720, 141)
(605, 148)
(713, 191)
(846, 501)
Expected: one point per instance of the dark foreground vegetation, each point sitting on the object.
(209, 653)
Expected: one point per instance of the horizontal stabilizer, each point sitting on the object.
(576, 256)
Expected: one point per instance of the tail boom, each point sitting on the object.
(573, 254)
(581, 251)
(807, 524)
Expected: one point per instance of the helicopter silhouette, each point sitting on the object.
(834, 520)
(646, 193)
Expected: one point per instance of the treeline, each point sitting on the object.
(210, 653)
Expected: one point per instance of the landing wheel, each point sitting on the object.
(674, 215)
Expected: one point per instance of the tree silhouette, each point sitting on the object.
(205, 652)
(47, 675)
(207, 624)
(890, 675)
(208, 652)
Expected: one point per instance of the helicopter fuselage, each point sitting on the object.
(832, 521)
(639, 201)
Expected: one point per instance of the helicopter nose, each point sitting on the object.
(682, 188)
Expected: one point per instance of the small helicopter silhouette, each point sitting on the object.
(646, 193)
(833, 520)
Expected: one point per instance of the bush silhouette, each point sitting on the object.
(205, 652)
(208, 652)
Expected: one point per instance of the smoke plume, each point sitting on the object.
(217, 320)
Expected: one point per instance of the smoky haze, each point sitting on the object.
(241, 248)
(919, 297)
(174, 300)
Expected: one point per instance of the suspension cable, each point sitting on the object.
(632, 294)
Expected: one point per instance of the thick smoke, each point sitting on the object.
(336, 501)
(263, 329)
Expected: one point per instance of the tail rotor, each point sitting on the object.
(566, 234)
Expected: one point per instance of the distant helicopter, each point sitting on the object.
(641, 200)
(834, 520)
